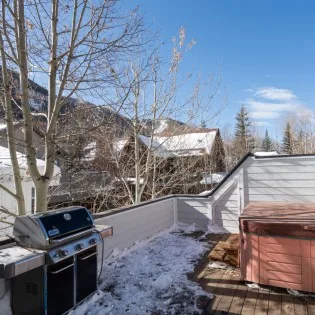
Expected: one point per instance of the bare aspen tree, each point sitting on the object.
(72, 46)
(302, 126)
(153, 89)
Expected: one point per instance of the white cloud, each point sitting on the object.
(264, 114)
(276, 94)
(262, 123)
(269, 103)
(274, 107)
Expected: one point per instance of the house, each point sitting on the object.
(275, 178)
(38, 139)
(6, 179)
(181, 161)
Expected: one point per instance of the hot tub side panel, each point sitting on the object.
(278, 261)
(249, 257)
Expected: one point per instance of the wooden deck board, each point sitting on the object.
(262, 303)
(250, 302)
(227, 292)
(287, 305)
(300, 307)
(218, 292)
(239, 298)
(311, 307)
(232, 296)
(274, 304)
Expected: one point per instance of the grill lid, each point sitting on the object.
(42, 231)
(63, 222)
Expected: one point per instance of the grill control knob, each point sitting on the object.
(79, 246)
(64, 252)
(92, 241)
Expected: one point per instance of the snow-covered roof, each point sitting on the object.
(6, 166)
(155, 145)
(3, 126)
(189, 143)
(271, 153)
(119, 144)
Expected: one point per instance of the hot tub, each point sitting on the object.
(277, 244)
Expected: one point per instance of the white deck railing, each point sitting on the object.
(136, 223)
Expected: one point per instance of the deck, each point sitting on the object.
(232, 296)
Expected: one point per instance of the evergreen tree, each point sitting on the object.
(243, 142)
(267, 143)
(287, 141)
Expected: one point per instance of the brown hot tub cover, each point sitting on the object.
(279, 219)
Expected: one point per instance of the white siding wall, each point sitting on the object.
(226, 207)
(280, 179)
(228, 201)
(266, 179)
(138, 224)
(194, 210)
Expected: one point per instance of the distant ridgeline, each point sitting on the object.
(39, 104)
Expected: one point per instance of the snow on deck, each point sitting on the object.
(150, 279)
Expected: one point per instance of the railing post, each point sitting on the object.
(175, 210)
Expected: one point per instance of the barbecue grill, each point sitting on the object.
(54, 266)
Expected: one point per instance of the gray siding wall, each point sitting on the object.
(280, 179)
(194, 210)
(227, 202)
(289, 179)
(138, 224)
(226, 207)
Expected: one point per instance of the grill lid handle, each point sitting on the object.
(70, 237)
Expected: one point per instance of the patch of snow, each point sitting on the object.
(252, 285)
(154, 145)
(3, 126)
(5, 304)
(271, 153)
(91, 152)
(119, 144)
(5, 163)
(214, 229)
(133, 180)
(187, 229)
(219, 265)
(299, 294)
(205, 193)
(295, 292)
(189, 143)
(213, 178)
(256, 286)
(151, 277)
(163, 125)
(163, 282)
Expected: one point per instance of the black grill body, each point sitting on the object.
(69, 239)
(55, 289)
(28, 292)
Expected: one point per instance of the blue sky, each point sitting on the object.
(266, 50)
